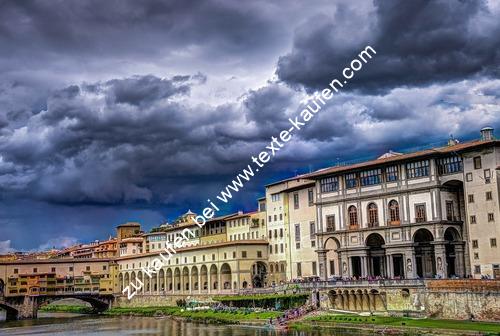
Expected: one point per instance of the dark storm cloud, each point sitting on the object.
(418, 42)
(112, 108)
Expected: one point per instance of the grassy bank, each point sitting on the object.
(67, 309)
(326, 320)
(208, 316)
(273, 301)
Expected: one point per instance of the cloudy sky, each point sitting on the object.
(113, 111)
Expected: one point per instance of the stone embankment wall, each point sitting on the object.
(463, 299)
(446, 299)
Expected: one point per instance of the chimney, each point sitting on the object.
(487, 134)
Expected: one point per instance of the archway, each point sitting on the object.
(204, 277)
(2, 287)
(170, 280)
(120, 281)
(259, 272)
(214, 282)
(194, 278)
(424, 253)
(177, 279)
(454, 255)
(332, 245)
(185, 278)
(11, 313)
(225, 272)
(161, 276)
(376, 255)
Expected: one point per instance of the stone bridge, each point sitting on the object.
(26, 307)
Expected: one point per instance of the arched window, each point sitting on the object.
(372, 215)
(394, 212)
(353, 216)
(271, 268)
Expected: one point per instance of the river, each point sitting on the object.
(57, 324)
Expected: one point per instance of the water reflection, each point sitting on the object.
(151, 326)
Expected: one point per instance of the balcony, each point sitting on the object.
(394, 223)
(353, 227)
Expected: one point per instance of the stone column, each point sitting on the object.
(200, 285)
(410, 264)
(440, 260)
(323, 264)
(364, 270)
(459, 260)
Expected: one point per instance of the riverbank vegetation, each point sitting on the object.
(272, 301)
(339, 320)
(208, 316)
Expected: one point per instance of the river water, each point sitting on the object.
(57, 324)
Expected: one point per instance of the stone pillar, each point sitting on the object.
(323, 264)
(440, 260)
(349, 267)
(410, 265)
(364, 270)
(200, 285)
(459, 260)
(390, 266)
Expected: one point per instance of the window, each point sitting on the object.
(468, 177)
(332, 267)
(353, 216)
(297, 245)
(270, 249)
(371, 177)
(477, 162)
(213, 256)
(194, 259)
(243, 254)
(491, 217)
(259, 254)
(35, 270)
(351, 181)
(420, 213)
(330, 223)
(487, 176)
(295, 200)
(262, 206)
(475, 244)
(310, 196)
(275, 218)
(275, 248)
(449, 211)
(471, 198)
(299, 269)
(271, 268)
(493, 242)
(312, 228)
(391, 173)
(281, 216)
(270, 234)
(314, 270)
(417, 169)
(281, 233)
(275, 197)
(329, 184)
(477, 269)
(16, 271)
(71, 268)
(449, 165)
(282, 268)
(476, 255)
(489, 196)
(313, 243)
(270, 218)
(297, 232)
(473, 219)
(281, 248)
(394, 212)
(53, 270)
(275, 233)
(372, 215)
